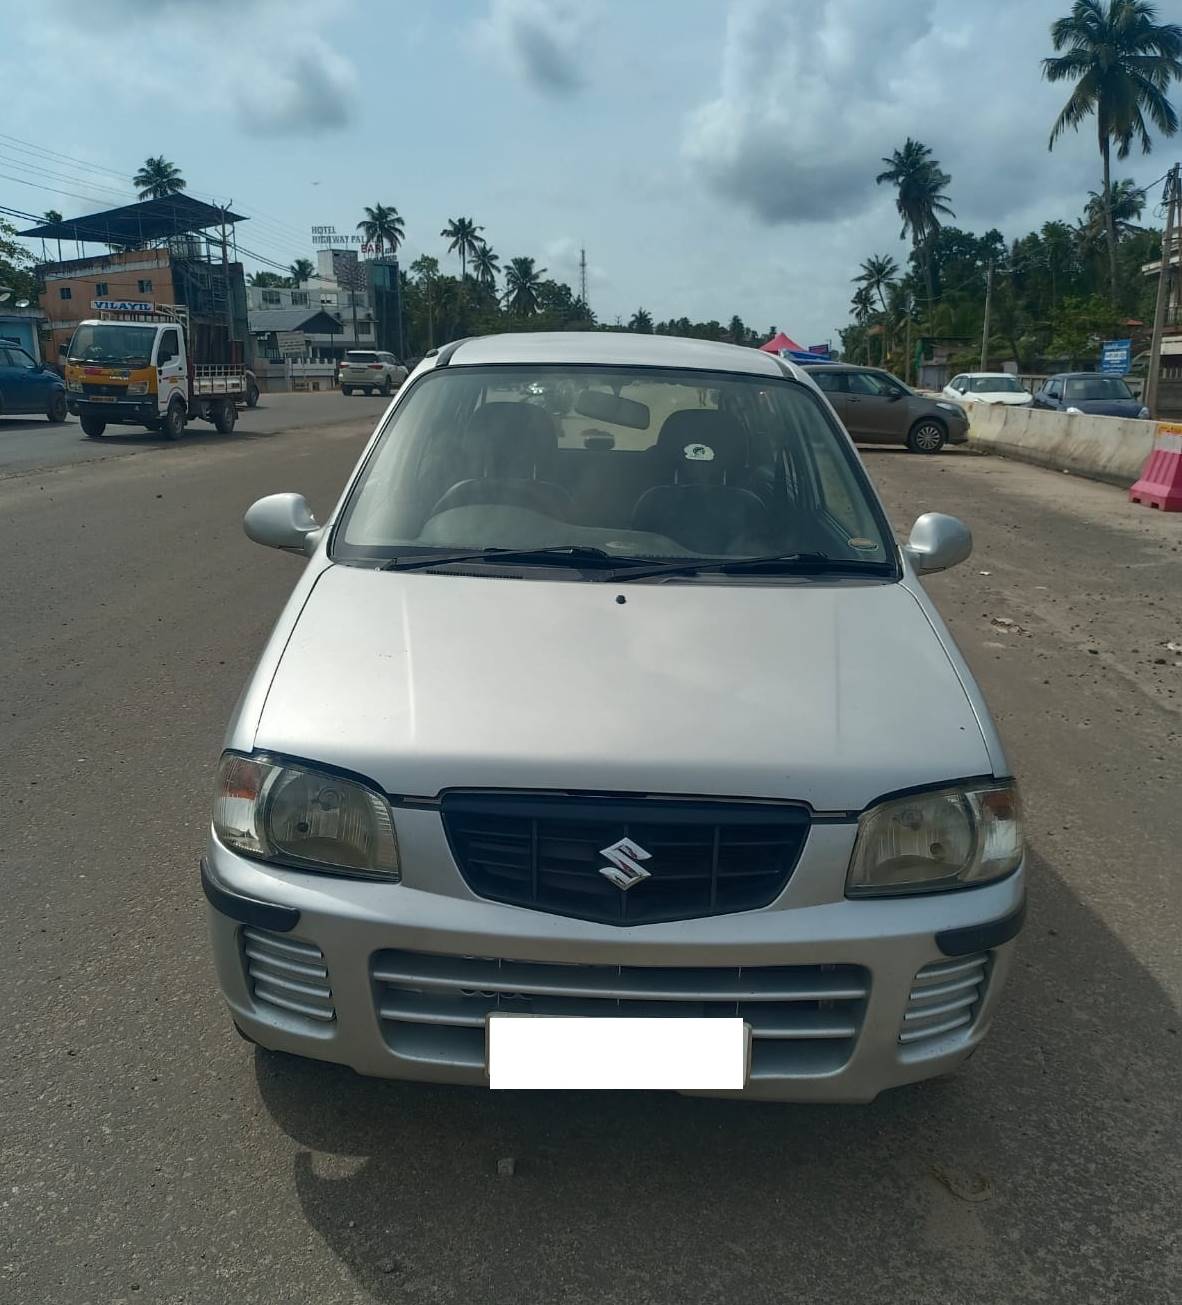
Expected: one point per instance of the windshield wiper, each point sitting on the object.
(773, 563)
(557, 555)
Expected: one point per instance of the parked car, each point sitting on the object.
(713, 754)
(1091, 392)
(877, 408)
(370, 370)
(29, 387)
(988, 387)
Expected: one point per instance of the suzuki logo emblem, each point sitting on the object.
(625, 870)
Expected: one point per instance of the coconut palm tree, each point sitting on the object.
(641, 321)
(301, 270)
(486, 265)
(1059, 251)
(863, 308)
(52, 215)
(158, 178)
(464, 235)
(1128, 203)
(921, 201)
(879, 272)
(522, 282)
(382, 226)
(1122, 63)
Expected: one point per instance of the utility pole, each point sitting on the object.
(1172, 198)
(907, 359)
(229, 295)
(583, 277)
(988, 311)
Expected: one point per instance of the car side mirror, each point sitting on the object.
(895, 396)
(283, 521)
(937, 542)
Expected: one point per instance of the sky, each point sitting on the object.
(712, 156)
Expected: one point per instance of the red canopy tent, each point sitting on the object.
(779, 342)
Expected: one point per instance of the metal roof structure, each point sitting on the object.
(136, 224)
(314, 321)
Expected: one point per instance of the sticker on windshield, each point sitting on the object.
(699, 453)
(863, 545)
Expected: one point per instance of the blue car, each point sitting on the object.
(29, 387)
(1091, 392)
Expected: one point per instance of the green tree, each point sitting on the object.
(464, 235)
(1122, 63)
(158, 178)
(522, 282)
(879, 271)
(16, 277)
(383, 226)
(1078, 326)
(1127, 203)
(737, 330)
(424, 272)
(641, 321)
(301, 271)
(268, 281)
(919, 182)
(486, 265)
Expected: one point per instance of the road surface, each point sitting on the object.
(148, 1154)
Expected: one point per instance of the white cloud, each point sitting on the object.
(543, 41)
(310, 89)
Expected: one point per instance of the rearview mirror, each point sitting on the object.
(612, 407)
(283, 521)
(938, 542)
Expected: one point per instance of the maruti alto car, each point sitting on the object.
(607, 692)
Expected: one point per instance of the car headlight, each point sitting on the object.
(950, 407)
(293, 815)
(950, 838)
(138, 387)
(74, 385)
(1143, 415)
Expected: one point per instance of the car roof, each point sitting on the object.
(1067, 376)
(1009, 376)
(612, 348)
(837, 367)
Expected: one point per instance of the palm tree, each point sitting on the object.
(522, 281)
(863, 308)
(486, 265)
(464, 235)
(383, 226)
(1058, 245)
(52, 215)
(921, 201)
(879, 272)
(1122, 62)
(1128, 203)
(301, 270)
(158, 178)
(641, 321)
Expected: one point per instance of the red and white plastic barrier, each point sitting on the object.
(1160, 485)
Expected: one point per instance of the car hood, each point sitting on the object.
(1005, 398)
(1106, 407)
(829, 693)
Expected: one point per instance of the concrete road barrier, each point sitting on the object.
(1112, 449)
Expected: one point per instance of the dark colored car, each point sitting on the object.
(877, 408)
(1091, 392)
(29, 387)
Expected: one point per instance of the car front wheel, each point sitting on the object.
(93, 427)
(347, 390)
(927, 436)
(56, 411)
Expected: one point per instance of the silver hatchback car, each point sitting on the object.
(606, 693)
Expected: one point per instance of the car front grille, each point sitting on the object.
(112, 391)
(804, 1019)
(944, 997)
(287, 973)
(549, 853)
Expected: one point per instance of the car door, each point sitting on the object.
(875, 411)
(955, 388)
(170, 367)
(1052, 394)
(832, 383)
(20, 382)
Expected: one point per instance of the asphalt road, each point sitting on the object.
(30, 442)
(147, 1154)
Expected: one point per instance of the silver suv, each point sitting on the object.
(373, 371)
(627, 708)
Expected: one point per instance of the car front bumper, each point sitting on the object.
(395, 981)
(131, 412)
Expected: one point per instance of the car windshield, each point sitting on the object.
(636, 464)
(995, 385)
(360, 356)
(1097, 387)
(111, 342)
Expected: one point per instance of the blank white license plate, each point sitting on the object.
(682, 1054)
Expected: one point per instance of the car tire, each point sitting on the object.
(252, 396)
(347, 390)
(225, 417)
(928, 435)
(369, 389)
(56, 411)
(93, 427)
(173, 425)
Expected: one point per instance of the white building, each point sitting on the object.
(330, 289)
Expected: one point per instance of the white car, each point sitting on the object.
(988, 387)
(371, 370)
